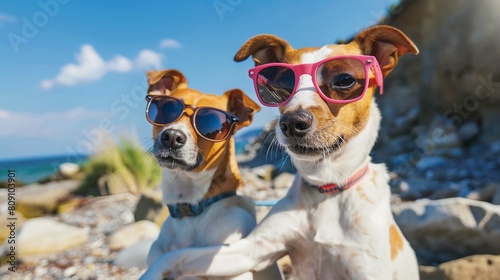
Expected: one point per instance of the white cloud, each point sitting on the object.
(169, 43)
(119, 64)
(90, 67)
(147, 59)
(49, 124)
(7, 18)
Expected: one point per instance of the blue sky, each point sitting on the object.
(72, 71)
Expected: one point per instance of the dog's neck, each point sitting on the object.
(181, 186)
(339, 167)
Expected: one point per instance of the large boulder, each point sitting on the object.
(148, 206)
(448, 229)
(484, 267)
(40, 199)
(132, 233)
(41, 236)
(134, 255)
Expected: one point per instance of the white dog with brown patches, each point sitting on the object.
(193, 144)
(335, 222)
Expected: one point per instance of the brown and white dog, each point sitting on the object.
(197, 171)
(347, 234)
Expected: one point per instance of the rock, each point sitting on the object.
(468, 132)
(416, 187)
(400, 187)
(426, 272)
(132, 233)
(111, 184)
(150, 205)
(134, 255)
(70, 271)
(36, 200)
(283, 181)
(402, 124)
(495, 147)
(449, 152)
(484, 267)
(265, 172)
(431, 162)
(443, 193)
(483, 194)
(70, 204)
(251, 179)
(447, 229)
(68, 169)
(161, 216)
(490, 121)
(39, 236)
(457, 174)
(496, 196)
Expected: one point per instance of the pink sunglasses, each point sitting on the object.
(338, 79)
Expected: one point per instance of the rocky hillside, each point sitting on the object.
(440, 108)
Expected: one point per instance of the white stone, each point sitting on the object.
(68, 169)
(132, 233)
(44, 235)
(283, 181)
(70, 271)
(441, 230)
(134, 255)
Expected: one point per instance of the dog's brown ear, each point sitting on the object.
(387, 44)
(165, 81)
(264, 48)
(240, 105)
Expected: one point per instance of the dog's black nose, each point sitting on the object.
(173, 139)
(296, 124)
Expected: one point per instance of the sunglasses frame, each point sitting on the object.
(369, 62)
(233, 119)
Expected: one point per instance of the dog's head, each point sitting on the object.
(310, 127)
(177, 145)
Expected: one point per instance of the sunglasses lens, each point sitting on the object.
(212, 124)
(342, 79)
(275, 84)
(164, 110)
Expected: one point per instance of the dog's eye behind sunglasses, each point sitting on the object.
(275, 84)
(163, 111)
(341, 79)
(210, 123)
(213, 124)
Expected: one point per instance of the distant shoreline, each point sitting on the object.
(31, 170)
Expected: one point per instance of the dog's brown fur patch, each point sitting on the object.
(396, 241)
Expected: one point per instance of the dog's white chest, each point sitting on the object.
(346, 230)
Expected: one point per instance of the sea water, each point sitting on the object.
(30, 170)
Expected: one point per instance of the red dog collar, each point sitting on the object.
(335, 188)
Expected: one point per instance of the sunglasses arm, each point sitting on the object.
(235, 128)
(379, 78)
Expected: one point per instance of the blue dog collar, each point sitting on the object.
(181, 210)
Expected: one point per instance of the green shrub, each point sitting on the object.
(126, 162)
